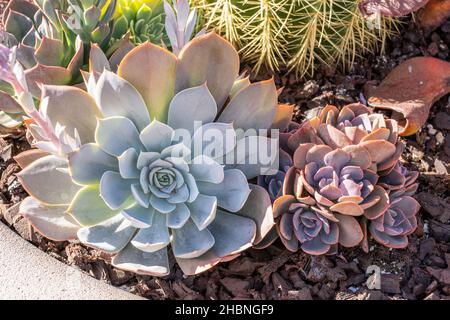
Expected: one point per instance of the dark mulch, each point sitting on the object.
(422, 271)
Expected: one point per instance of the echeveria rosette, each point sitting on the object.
(354, 124)
(133, 188)
(274, 183)
(315, 230)
(399, 220)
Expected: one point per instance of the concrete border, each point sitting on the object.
(29, 273)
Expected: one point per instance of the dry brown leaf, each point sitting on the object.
(410, 90)
(434, 14)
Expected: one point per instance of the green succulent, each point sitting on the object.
(52, 40)
(297, 35)
(144, 19)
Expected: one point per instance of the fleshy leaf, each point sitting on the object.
(109, 140)
(150, 263)
(350, 233)
(231, 193)
(154, 238)
(51, 221)
(258, 207)
(88, 208)
(88, 164)
(46, 180)
(117, 97)
(74, 109)
(190, 242)
(151, 70)
(208, 59)
(254, 107)
(110, 236)
(190, 105)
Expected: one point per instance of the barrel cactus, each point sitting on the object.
(295, 34)
(346, 180)
(161, 181)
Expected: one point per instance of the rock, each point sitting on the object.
(432, 287)
(318, 268)
(433, 49)
(310, 88)
(119, 277)
(440, 231)
(441, 275)
(447, 259)
(336, 274)
(421, 276)
(303, 294)
(442, 121)
(390, 283)
(234, 285)
(23, 227)
(375, 295)
(446, 290)
(280, 284)
(435, 206)
(294, 277)
(432, 296)
(435, 261)
(348, 266)
(10, 213)
(356, 279)
(243, 267)
(419, 290)
(326, 292)
(426, 247)
(440, 167)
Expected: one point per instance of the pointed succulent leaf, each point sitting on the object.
(88, 208)
(152, 263)
(72, 108)
(117, 97)
(44, 180)
(88, 164)
(190, 105)
(190, 242)
(154, 238)
(208, 59)
(110, 236)
(144, 67)
(254, 107)
(107, 138)
(51, 221)
(231, 193)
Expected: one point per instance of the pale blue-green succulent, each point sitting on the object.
(134, 187)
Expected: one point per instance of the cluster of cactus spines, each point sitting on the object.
(295, 34)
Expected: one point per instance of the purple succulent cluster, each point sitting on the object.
(346, 178)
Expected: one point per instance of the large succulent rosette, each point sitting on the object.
(135, 186)
(346, 171)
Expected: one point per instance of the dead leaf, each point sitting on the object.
(434, 14)
(390, 8)
(410, 90)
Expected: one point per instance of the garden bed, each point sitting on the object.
(421, 271)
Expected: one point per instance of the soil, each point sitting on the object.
(421, 271)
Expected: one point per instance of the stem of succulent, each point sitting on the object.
(27, 103)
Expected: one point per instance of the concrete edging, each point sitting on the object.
(29, 273)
